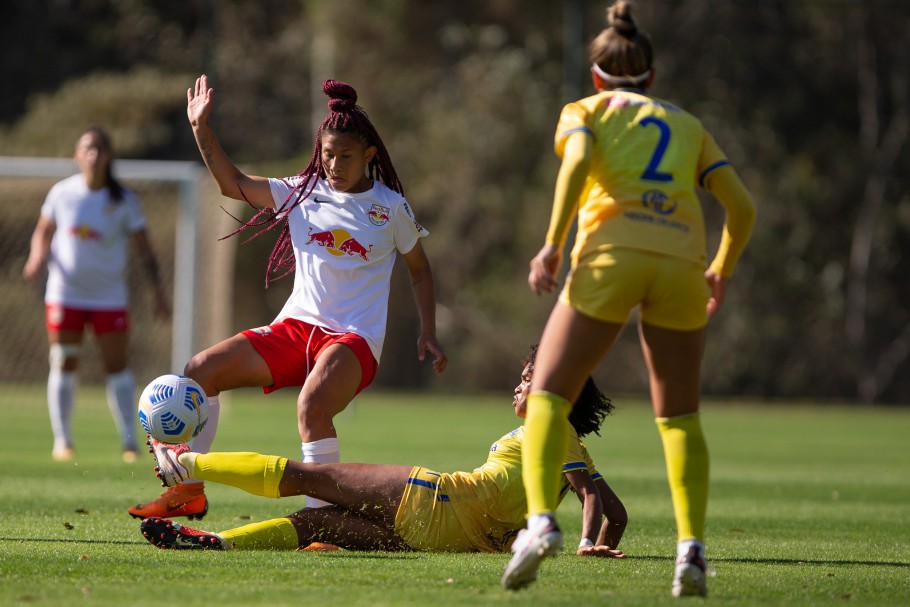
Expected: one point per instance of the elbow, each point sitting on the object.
(617, 515)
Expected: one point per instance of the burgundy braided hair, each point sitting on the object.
(344, 116)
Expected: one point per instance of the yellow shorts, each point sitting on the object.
(672, 293)
(446, 512)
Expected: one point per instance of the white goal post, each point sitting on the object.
(183, 173)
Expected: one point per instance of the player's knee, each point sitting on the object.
(64, 357)
(199, 370)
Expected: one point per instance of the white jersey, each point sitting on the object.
(344, 250)
(89, 250)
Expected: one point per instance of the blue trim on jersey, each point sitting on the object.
(442, 497)
(575, 466)
(704, 174)
(597, 475)
(578, 129)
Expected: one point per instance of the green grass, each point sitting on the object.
(810, 505)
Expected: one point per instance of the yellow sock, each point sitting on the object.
(252, 472)
(543, 453)
(686, 454)
(275, 534)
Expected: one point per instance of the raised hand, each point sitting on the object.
(199, 101)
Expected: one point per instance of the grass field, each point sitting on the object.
(810, 505)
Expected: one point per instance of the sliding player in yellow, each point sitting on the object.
(630, 165)
(389, 507)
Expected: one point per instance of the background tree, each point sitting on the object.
(809, 100)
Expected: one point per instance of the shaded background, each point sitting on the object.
(809, 99)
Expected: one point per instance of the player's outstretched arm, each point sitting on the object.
(593, 536)
(425, 297)
(615, 516)
(232, 182)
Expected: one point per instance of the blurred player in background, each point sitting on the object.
(388, 507)
(343, 221)
(630, 165)
(82, 235)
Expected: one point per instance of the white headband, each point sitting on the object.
(619, 79)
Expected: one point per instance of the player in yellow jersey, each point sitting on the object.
(630, 166)
(390, 507)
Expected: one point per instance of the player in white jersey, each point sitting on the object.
(343, 222)
(86, 225)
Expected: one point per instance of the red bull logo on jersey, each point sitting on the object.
(379, 215)
(85, 232)
(339, 242)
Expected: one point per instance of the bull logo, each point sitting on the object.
(339, 242)
(323, 239)
(379, 215)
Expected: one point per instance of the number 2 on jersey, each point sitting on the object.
(651, 173)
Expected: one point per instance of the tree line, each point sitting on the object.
(809, 100)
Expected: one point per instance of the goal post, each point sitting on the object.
(186, 176)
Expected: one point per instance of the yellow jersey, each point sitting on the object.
(648, 158)
(482, 510)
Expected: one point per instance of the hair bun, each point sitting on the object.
(619, 17)
(342, 96)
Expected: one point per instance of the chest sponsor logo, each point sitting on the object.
(658, 202)
(85, 232)
(338, 242)
(379, 215)
(319, 200)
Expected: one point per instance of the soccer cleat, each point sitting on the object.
(531, 547)
(186, 500)
(318, 547)
(173, 536)
(63, 455)
(691, 575)
(169, 470)
(130, 456)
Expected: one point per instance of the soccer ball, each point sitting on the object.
(173, 409)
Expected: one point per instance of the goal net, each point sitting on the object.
(184, 227)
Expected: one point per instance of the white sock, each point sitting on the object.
(323, 451)
(61, 397)
(203, 441)
(121, 400)
(682, 548)
(536, 521)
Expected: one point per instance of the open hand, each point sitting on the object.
(199, 101)
(601, 551)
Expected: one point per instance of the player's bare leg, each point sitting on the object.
(674, 362)
(571, 346)
(330, 386)
(121, 389)
(345, 528)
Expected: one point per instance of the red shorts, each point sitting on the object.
(61, 318)
(291, 348)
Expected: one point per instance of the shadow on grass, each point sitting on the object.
(415, 555)
(330, 554)
(770, 561)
